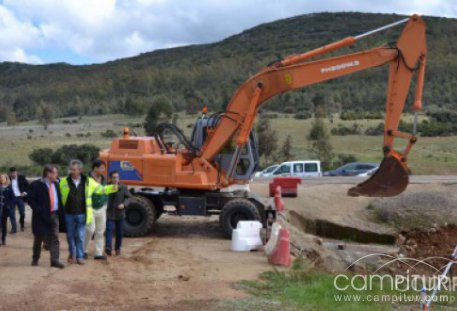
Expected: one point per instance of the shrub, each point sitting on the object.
(302, 115)
(360, 115)
(290, 109)
(342, 130)
(375, 131)
(270, 116)
(41, 156)
(61, 156)
(109, 134)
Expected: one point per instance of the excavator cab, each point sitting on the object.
(249, 158)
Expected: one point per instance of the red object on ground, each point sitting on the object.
(288, 186)
(281, 254)
(279, 204)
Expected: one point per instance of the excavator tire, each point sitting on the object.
(140, 215)
(236, 210)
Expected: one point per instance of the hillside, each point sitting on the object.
(210, 73)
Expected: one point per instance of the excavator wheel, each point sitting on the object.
(236, 210)
(140, 215)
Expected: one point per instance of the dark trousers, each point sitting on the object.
(4, 219)
(21, 206)
(111, 227)
(52, 241)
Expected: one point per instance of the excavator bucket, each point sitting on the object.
(389, 180)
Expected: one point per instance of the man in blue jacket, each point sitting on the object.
(46, 203)
(20, 187)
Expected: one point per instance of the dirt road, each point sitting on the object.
(185, 264)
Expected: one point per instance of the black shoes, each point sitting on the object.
(34, 263)
(57, 264)
(100, 257)
(86, 256)
(108, 252)
(118, 252)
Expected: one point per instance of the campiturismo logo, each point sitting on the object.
(409, 287)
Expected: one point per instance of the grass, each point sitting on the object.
(302, 288)
(431, 155)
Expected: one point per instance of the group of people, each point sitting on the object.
(13, 193)
(83, 206)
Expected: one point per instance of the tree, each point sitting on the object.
(160, 110)
(175, 119)
(319, 105)
(11, 119)
(41, 156)
(134, 106)
(267, 138)
(286, 149)
(62, 156)
(44, 114)
(321, 145)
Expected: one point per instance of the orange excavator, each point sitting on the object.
(204, 175)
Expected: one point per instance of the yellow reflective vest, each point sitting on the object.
(91, 187)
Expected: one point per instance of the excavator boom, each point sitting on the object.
(407, 55)
(212, 164)
(205, 176)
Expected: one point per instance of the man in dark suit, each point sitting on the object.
(20, 187)
(46, 203)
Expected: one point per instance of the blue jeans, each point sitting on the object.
(21, 206)
(76, 232)
(111, 226)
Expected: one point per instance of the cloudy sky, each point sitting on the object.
(94, 31)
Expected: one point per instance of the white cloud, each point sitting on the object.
(101, 30)
(15, 37)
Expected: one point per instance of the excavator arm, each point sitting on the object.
(404, 58)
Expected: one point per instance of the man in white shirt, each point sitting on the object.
(20, 187)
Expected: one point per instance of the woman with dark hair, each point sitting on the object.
(6, 199)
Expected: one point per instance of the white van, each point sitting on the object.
(310, 168)
(266, 172)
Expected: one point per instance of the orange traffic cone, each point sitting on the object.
(281, 254)
(279, 203)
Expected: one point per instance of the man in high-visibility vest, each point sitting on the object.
(99, 204)
(77, 190)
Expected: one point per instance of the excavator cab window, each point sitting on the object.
(242, 167)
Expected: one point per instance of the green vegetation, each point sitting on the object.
(342, 130)
(430, 155)
(267, 139)
(160, 111)
(62, 156)
(320, 143)
(209, 74)
(302, 288)
(361, 115)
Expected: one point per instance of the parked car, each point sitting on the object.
(352, 169)
(295, 168)
(369, 173)
(266, 172)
